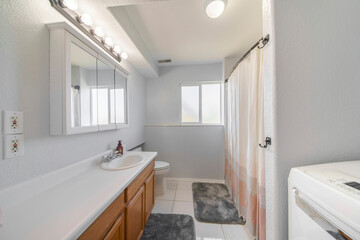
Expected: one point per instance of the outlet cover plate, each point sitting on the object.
(14, 146)
(13, 122)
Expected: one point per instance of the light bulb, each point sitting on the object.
(86, 19)
(124, 55)
(71, 4)
(99, 32)
(117, 49)
(214, 8)
(108, 41)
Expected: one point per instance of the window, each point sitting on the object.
(190, 104)
(201, 103)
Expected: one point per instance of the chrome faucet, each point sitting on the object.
(113, 155)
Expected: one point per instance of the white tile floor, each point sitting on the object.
(178, 199)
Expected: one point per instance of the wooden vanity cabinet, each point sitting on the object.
(101, 226)
(127, 215)
(135, 216)
(117, 231)
(136, 196)
(149, 195)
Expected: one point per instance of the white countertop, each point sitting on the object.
(61, 209)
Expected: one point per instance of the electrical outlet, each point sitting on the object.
(13, 122)
(14, 146)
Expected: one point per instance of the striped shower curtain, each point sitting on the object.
(244, 130)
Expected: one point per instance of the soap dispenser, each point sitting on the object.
(120, 148)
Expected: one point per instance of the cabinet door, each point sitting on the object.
(135, 214)
(149, 195)
(80, 83)
(117, 231)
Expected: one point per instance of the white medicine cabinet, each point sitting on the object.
(88, 89)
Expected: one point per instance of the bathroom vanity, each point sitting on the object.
(82, 201)
(127, 215)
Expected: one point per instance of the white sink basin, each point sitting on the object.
(123, 162)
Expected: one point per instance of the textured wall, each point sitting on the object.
(269, 119)
(193, 152)
(24, 86)
(316, 90)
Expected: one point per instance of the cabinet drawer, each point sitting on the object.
(134, 187)
(103, 223)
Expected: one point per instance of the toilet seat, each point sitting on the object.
(160, 165)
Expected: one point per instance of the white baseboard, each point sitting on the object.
(195, 180)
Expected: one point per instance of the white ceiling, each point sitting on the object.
(181, 30)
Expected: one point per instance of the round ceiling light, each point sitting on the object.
(214, 8)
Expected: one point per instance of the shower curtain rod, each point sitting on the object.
(264, 41)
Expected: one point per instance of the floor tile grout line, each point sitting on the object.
(222, 229)
(172, 207)
(175, 195)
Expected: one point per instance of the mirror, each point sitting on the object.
(83, 83)
(106, 106)
(120, 98)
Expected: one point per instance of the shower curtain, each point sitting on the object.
(244, 130)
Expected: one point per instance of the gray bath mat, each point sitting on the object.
(213, 204)
(169, 227)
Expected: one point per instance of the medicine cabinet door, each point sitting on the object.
(81, 82)
(121, 99)
(105, 96)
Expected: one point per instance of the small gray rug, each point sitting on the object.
(213, 204)
(169, 227)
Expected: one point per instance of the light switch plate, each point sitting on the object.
(13, 122)
(14, 146)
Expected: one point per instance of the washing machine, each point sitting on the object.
(324, 202)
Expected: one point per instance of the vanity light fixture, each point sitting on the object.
(124, 55)
(108, 41)
(86, 19)
(98, 32)
(71, 4)
(117, 49)
(214, 8)
(84, 23)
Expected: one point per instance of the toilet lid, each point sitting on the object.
(159, 165)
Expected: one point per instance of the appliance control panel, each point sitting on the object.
(355, 185)
(346, 183)
(345, 186)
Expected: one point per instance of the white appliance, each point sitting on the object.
(324, 201)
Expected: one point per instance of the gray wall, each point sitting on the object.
(193, 152)
(315, 92)
(24, 86)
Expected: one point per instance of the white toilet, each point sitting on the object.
(161, 171)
